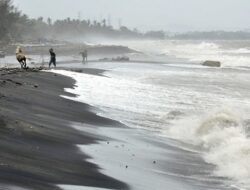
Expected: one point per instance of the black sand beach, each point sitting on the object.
(38, 146)
(49, 141)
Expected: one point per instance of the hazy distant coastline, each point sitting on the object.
(17, 27)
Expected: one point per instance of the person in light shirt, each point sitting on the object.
(21, 57)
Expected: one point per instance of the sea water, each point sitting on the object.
(205, 109)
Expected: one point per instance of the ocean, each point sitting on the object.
(199, 109)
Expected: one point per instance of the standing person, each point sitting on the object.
(84, 56)
(21, 57)
(52, 57)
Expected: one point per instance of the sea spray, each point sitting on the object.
(177, 101)
(232, 54)
(223, 141)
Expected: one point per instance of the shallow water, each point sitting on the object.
(203, 110)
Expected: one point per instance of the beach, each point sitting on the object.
(49, 142)
(124, 95)
(126, 125)
(38, 146)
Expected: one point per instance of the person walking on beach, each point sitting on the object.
(84, 56)
(52, 57)
(21, 57)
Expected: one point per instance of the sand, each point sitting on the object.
(38, 145)
(49, 143)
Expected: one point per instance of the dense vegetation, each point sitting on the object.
(16, 26)
(12, 22)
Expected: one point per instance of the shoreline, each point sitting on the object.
(142, 159)
(38, 145)
(69, 49)
(51, 141)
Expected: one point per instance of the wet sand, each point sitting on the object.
(140, 158)
(49, 143)
(38, 145)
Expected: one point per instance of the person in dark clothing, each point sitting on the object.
(52, 57)
(84, 56)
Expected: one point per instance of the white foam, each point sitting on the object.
(222, 135)
(146, 98)
(196, 51)
(200, 52)
(125, 97)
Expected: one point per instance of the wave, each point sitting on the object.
(224, 142)
(229, 53)
(200, 52)
(141, 95)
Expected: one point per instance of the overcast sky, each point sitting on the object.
(169, 15)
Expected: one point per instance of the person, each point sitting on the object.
(52, 57)
(84, 56)
(21, 57)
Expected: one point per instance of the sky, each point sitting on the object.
(167, 15)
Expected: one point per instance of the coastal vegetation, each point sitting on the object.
(17, 27)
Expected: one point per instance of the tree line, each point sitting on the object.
(17, 27)
(12, 22)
